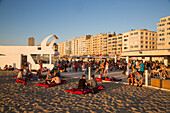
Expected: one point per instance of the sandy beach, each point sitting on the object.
(16, 97)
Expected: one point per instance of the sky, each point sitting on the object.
(21, 19)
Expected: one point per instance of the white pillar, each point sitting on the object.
(127, 61)
(89, 73)
(146, 77)
(115, 58)
(50, 59)
(166, 61)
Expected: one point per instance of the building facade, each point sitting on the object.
(141, 39)
(163, 33)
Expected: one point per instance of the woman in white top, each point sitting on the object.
(20, 74)
(106, 69)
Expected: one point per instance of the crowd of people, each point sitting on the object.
(135, 68)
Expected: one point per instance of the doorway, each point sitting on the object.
(23, 59)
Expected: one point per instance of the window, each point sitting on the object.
(136, 42)
(131, 34)
(146, 46)
(168, 18)
(135, 33)
(153, 34)
(150, 47)
(168, 23)
(125, 48)
(39, 48)
(168, 28)
(149, 42)
(150, 38)
(146, 33)
(105, 38)
(136, 46)
(126, 36)
(141, 37)
(153, 38)
(168, 33)
(163, 39)
(44, 58)
(141, 42)
(109, 42)
(163, 20)
(141, 46)
(141, 33)
(125, 39)
(150, 34)
(153, 47)
(125, 44)
(146, 38)
(169, 43)
(162, 24)
(153, 42)
(109, 39)
(146, 42)
(119, 44)
(119, 37)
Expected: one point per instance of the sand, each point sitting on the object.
(15, 97)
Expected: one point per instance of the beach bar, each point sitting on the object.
(17, 55)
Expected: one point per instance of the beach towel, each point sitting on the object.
(83, 91)
(50, 85)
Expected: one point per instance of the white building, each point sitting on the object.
(16, 55)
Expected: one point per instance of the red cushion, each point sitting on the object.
(14, 76)
(63, 81)
(20, 80)
(79, 91)
(24, 83)
(18, 69)
(101, 87)
(109, 79)
(99, 79)
(49, 85)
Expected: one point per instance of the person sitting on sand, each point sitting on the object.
(138, 79)
(20, 74)
(131, 78)
(56, 79)
(93, 84)
(82, 82)
(49, 77)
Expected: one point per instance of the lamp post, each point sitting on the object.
(55, 57)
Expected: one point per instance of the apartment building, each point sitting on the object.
(163, 33)
(141, 39)
(73, 47)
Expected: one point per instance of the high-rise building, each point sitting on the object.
(163, 33)
(140, 39)
(73, 47)
(31, 41)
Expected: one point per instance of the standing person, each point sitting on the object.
(102, 67)
(41, 65)
(141, 67)
(130, 67)
(76, 66)
(106, 69)
(124, 67)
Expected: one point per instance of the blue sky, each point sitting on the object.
(21, 19)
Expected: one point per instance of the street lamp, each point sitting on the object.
(55, 57)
